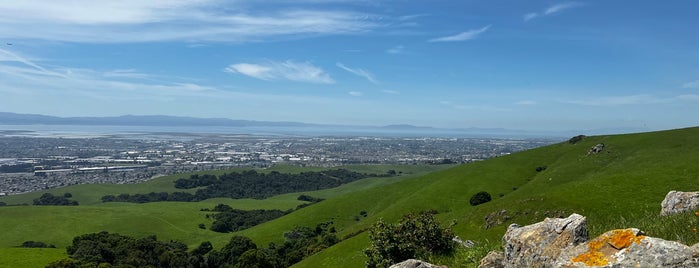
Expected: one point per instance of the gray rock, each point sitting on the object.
(627, 248)
(540, 244)
(678, 202)
(494, 259)
(466, 244)
(412, 263)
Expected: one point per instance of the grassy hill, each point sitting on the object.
(168, 220)
(620, 187)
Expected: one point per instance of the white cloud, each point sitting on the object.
(166, 20)
(464, 36)
(551, 10)
(560, 7)
(358, 72)
(688, 97)
(530, 16)
(388, 91)
(693, 84)
(396, 50)
(286, 70)
(356, 93)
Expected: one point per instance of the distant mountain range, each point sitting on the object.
(7, 118)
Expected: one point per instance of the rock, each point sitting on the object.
(494, 259)
(695, 250)
(678, 202)
(412, 263)
(466, 244)
(596, 149)
(540, 244)
(627, 248)
(496, 218)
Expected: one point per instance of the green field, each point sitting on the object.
(168, 220)
(619, 187)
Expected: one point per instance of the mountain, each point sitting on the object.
(135, 120)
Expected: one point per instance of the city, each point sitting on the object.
(36, 163)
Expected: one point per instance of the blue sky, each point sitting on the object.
(533, 65)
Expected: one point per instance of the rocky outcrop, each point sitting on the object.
(628, 248)
(494, 259)
(563, 243)
(678, 202)
(412, 263)
(539, 244)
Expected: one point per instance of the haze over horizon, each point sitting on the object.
(534, 65)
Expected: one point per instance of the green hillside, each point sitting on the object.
(622, 186)
(167, 220)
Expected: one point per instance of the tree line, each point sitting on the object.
(114, 250)
(246, 184)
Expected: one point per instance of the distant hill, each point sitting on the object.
(135, 120)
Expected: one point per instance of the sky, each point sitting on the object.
(529, 65)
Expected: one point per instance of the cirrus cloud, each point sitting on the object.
(285, 70)
(463, 36)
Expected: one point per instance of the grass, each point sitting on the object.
(29, 257)
(167, 220)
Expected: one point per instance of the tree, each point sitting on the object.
(235, 248)
(415, 237)
(480, 198)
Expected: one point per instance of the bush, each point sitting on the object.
(415, 237)
(480, 198)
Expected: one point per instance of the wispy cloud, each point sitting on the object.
(396, 50)
(286, 70)
(358, 72)
(168, 20)
(526, 102)
(693, 84)
(388, 91)
(464, 36)
(551, 10)
(356, 93)
(22, 76)
(617, 100)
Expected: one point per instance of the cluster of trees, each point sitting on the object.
(247, 184)
(48, 199)
(309, 198)
(36, 244)
(230, 220)
(115, 250)
(417, 236)
(480, 198)
(19, 168)
(105, 250)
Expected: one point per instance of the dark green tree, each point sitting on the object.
(480, 198)
(415, 237)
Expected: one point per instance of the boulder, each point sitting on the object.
(627, 248)
(678, 202)
(494, 259)
(540, 244)
(412, 263)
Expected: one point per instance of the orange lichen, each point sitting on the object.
(592, 258)
(696, 213)
(617, 239)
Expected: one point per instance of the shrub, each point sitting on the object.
(480, 198)
(416, 236)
